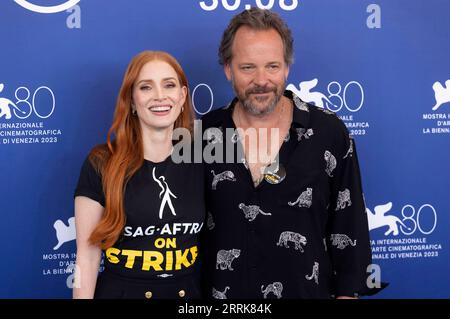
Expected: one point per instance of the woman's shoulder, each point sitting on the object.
(98, 157)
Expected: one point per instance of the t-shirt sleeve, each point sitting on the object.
(90, 183)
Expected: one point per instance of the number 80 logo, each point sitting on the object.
(23, 108)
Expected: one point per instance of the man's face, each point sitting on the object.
(257, 70)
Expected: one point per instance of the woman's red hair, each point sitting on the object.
(119, 159)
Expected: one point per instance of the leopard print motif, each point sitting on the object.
(220, 294)
(343, 199)
(224, 176)
(300, 104)
(304, 200)
(296, 238)
(350, 150)
(341, 241)
(276, 288)
(304, 134)
(214, 135)
(331, 163)
(252, 211)
(315, 273)
(226, 257)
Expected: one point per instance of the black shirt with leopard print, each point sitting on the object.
(305, 237)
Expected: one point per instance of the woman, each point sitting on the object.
(133, 202)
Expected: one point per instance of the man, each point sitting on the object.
(289, 223)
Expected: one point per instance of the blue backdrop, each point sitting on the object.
(383, 65)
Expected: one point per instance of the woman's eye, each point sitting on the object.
(146, 87)
(170, 85)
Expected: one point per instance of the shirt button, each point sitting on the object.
(182, 293)
(148, 294)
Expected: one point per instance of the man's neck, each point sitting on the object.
(261, 149)
(275, 119)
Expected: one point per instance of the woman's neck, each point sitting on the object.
(157, 144)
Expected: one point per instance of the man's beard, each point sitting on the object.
(253, 109)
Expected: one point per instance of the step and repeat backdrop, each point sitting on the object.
(382, 65)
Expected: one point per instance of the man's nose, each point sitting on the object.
(261, 78)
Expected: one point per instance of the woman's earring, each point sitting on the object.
(133, 109)
(182, 108)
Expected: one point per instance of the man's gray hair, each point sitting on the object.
(256, 19)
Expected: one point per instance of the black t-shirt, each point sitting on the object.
(165, 209)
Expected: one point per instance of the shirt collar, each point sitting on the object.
(300, 115)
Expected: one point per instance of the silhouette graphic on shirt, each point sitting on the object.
(166, 194)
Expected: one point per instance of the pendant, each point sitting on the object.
(275, 175)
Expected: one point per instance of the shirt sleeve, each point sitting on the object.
(347, 229)
(90, 183)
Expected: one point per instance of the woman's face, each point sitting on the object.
(158, 95)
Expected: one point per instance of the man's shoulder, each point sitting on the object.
(214, 118)
(325, 118)
(332, 128)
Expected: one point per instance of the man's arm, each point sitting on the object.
(347, 230)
